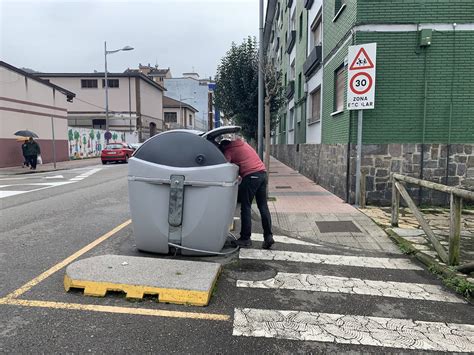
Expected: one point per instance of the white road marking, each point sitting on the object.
(370, 262)
(335, 284)
(11, 193)
(46, 185)
(282, 239)
(350, 329)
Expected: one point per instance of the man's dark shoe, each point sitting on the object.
(267, 244)
(243, 243)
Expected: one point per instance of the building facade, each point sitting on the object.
(29, 103)
(194, 91)
(177, 114)
(422, 124)
(135, 101)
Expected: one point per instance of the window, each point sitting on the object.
(292, 119)
(300, 86)
(339, 5)
(316, 32)
(190, 119)
(89, 83)
(171, 117)
(113, 83)
(339, 89)
(315, 105)
(301, 26)
(293, 22)
(292, 71)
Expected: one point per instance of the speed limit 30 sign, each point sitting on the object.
(361, 77)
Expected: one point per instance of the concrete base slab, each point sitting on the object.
(173, 281)
(408, 232)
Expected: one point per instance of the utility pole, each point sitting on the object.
(260, 84)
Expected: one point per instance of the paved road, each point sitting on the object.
(301, 297)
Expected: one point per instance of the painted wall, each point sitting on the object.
(88, 143)
(27, 104)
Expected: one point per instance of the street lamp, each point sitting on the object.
(126, 48)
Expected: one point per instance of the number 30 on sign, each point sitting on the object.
(361, 77)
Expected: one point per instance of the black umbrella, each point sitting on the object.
(26, 133)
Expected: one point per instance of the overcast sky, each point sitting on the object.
(68, 36)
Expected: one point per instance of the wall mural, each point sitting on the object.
(88, 142)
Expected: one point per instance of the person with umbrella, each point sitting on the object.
(32, 151)
(24, 147)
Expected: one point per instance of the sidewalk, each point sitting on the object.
(306, 210)
(42, 168)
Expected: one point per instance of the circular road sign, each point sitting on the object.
(361, 83)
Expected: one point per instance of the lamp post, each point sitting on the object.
(126, 48)
(180, 109)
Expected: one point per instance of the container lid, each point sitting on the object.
(180, 149)
(216, 132)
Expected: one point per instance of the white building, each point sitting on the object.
(313, 71)
(177, 114)
(29, 103)
(195, 92)
(135, 101)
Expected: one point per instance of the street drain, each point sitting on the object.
(338, 227)
(283, 187)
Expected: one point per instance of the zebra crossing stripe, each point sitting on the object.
(346, 285)
(347, 260)
(350, 329)
(283, 239)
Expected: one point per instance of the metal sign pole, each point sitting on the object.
(359, 155)
(54, 143)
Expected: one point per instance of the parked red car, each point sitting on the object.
(116, 152)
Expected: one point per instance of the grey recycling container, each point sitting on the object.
(182, 191)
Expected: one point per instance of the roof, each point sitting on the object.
(168, 102)
(69, 95)
(101, 75)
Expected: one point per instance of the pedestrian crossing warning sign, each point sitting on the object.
(361, 77)
(361, 61)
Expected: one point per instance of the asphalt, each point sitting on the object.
(40, 229)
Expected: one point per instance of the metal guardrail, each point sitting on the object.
(451, 257)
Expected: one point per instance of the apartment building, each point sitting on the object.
(135, 101)
(423, 121)
(29, 103)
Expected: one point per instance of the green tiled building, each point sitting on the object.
(423, 121)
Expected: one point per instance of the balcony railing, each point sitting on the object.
(291, 41)
(290, 89)
(313, 61)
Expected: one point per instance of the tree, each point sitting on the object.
(236, 92)
(274, 100)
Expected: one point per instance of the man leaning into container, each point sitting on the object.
(253, 185)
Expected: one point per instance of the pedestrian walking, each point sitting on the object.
(24, 146)
(253, 185)
(32, 151)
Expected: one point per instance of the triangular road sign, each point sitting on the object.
(361, 61)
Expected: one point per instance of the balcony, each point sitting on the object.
(291, 41)
(290, 89)
(313, 61)
(308, 4)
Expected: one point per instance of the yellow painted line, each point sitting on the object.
(114, 309)
(165, 295)
(26, 287)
